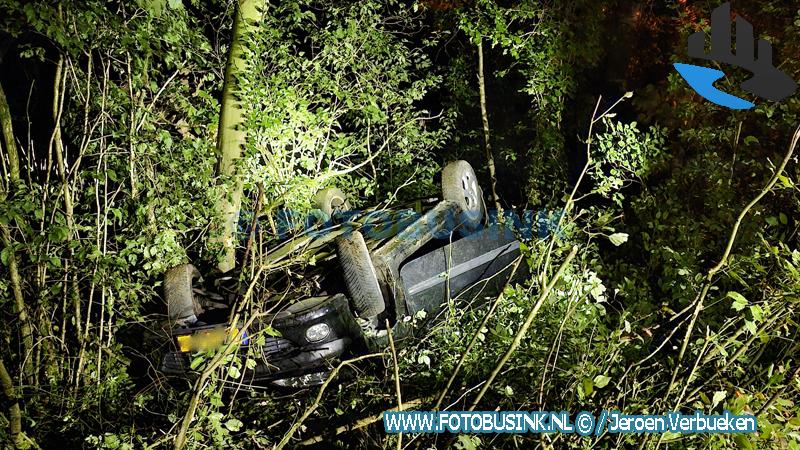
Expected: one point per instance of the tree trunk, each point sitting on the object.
(8, 136)
(5, 236)
(59, 92)
(485, 118)
(14, 414)
(231, 137)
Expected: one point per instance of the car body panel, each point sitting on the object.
(432, 279)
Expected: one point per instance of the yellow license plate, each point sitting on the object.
(203, 340)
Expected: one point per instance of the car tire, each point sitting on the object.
(460, 185)
(181, 302)
(360, 276)
(330, 200)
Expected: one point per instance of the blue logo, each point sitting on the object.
(767, 81)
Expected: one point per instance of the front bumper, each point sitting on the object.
(289, 359)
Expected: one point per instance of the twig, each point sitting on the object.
(155, 99)
(555, 347)
(363, 422)
(219, 358)
(735, 357)
(253, 225)
(485, 121)
(474, 339)
(315, 404)
(571, 198)
(726, 254)
(780, 391)
(524, 329)
(396, 378)
(694, 369)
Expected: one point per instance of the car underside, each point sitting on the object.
(398, 270)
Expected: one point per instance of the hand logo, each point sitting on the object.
(767, 81)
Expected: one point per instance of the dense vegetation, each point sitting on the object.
(677, 221)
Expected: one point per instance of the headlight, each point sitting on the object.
(318, 332)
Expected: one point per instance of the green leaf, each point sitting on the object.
(271, 331)
(588, 386)
(618, 238)
(424, 359)
(601, 381)
(757, 312)
(717, 398)
(154, 7)
(467, 442)
(110, 441)
(57, 233)
(234, 424)
(739, 302)
(743, 442)
(196, 362)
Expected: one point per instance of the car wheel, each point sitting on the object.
(460, 185)
(331, 199)
(360, 276)
(181, 303)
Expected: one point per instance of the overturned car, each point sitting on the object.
(390, 268)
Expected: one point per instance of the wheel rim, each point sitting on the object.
(470, 186)
(331, 200)
(336, 203)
